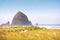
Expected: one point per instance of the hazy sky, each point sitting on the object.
(37, 11)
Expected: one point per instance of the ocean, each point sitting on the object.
(50, 26)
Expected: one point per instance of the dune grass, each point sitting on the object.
(29, 33)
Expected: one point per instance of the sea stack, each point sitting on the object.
(20, 19)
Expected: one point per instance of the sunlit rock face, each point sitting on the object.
(20, 19)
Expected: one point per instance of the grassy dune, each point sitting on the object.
(29, 33)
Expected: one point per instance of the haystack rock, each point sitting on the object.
(20, 19)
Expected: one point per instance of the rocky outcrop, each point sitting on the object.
(20, 19)
(6, 24)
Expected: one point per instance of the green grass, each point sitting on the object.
(29, 33)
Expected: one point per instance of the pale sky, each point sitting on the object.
(37, 11)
